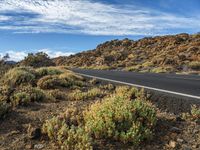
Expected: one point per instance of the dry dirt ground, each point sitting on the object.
(171, 131)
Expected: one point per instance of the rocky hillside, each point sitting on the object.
(171, 53)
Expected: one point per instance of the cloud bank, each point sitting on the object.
(88, 17)
(19, 55)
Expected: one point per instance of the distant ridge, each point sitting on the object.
(170, 53)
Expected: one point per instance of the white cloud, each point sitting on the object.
(15, 55)
(20, 55)
(54, 54)
(4, 18)
(95, 18)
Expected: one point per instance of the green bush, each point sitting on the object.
(91, 94)
(4, 109)
(68, 137)
(5, 92)
(48, 71)
(195, 65)
(18, 76)
(26, 95)
(52, 82)
(121, 118)
(194, 115)
(107, 87)
(56, 94)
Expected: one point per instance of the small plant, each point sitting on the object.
(52, 82)
(68, 137)
(56, 94)
(44, 71)
(73, 116)
(107, 87)
(194, 115)
(94, 81)
(121, 118)
(26, 95)
(78, 95)
(4, 109)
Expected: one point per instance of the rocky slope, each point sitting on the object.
(171, 53)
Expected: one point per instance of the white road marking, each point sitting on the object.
(141, 86)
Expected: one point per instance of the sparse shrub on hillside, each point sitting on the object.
(133, 68)
(56, 94)
(73, 116)
(26, 95)
(90, 94)
(4, 109)
(68, 137)
(107, 87)
(94, 81)
(195, 65)
(121, 118)
(51, 82)
(101, 67)
(5, 92)
(69, 75)
(44, 71)
(18, 75)
(162, 69)
(39, 59)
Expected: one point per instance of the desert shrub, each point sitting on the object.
(4, 109)
(79, 95)
(73, 116)
(148, 64)
(66, 79)
(5, 92)
(121, 118)
(69, 75)
(68, 137)
(101, 67)
(133, 68)
(162, 69)
(195, 65)
(52, 82)
(39, 59)
(48, 71)
(93, 81)
(18, 75)
(26, 95)
(194, 115)
(56, 94)
(107, 87)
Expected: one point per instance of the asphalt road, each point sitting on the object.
(181, 85)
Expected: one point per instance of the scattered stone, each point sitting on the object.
(175, 130)
(172, 144)
(187, 148)
(180, 140)
(29, 146)
(38, 146)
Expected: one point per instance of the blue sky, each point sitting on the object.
(64, 27)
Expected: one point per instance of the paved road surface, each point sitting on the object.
(181, 85)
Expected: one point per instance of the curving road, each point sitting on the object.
(180, 85)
